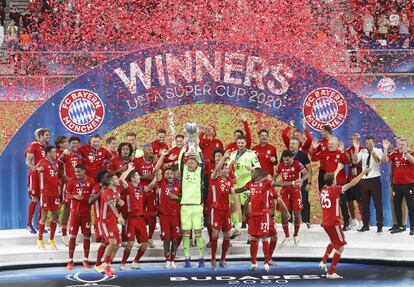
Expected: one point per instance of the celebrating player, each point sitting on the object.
(331, 220)
(266, 153)
(322, 147)
(111, 146)
(49, 190)
(305, 141)
(78, 190)
(221, 186)
(291, 171)
(109, 217)
(172, 157)
(237, 133)
(95, 157)
(159, 144)
(34, 153)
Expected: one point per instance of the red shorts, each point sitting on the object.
(76, 221)
(150, 204)
(292, 198)
(259, 226)
(336, 235)
(33, 185)
(272, 227)
(49, 203)
(170, 226)
(110, 231)
(220, 219)
(136, 228)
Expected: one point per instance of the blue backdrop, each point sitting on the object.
(280, 92)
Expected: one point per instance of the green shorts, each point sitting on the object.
(191, 217)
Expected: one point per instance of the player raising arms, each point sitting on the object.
(305, 140)
(247, 134)
(293, 173)
(95, 157)
(331, 219)
(168, 191)
(221, 186)
(260, 221)
(49, 190)
(109, 218)
(34, 153)
(78, 191)
(136, 227)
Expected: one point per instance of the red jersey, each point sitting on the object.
(259, 196)
(208, 146)
(95, 160)
(144, 167)
(157, 147)
(303, 147)
(233, 146)
(48, 177)
(331, 159)
(135, 200)
(218, 196)
(37, 149)
(403, 170)
(264, 154)
(318, 153)
(172, 158)
(353, 170)
(69, 163)
(83, 187)
(330, 196)
(273, 196)
(116, 163)
(290, 172)
(96, 205)
(167, 205)
(106, 214)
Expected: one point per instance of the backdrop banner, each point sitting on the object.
(166, 76)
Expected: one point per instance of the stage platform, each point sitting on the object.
(18, 248)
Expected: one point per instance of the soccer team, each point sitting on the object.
(220, 188)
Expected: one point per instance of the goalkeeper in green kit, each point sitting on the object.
(191, 213)
(243, 161)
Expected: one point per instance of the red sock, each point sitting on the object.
(285, 226)
(108, 259)
(86, 246)
(254, 246)
(64, 229)
(125, 256)
(210, 232)
(297, 226)
(265, 251)
(335, 260)
(224, 248)
(123, 234)
(213, 248)
(40, 231)
(328, 251)
(72, 246)
(140, 252)
(172, 256)
(100, 254)
(40, 214)
(30, 212)
(167, 255)
(53, 225)
(151, 226)
(272, 247)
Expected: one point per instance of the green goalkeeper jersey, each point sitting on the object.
(248, 158)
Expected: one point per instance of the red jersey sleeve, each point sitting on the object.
(107, 196)
(285, 136)
(248, 185)
(248, 134)
(279, 168)
(69, 189)
(345, 158)
(392, 156)
(308, 140)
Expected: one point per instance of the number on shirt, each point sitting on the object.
(326, 202)
(263, 225)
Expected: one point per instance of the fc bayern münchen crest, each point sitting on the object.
(82, 111)
(324, 106)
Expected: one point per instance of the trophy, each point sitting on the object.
(191, 132)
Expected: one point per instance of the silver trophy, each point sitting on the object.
(191, 132)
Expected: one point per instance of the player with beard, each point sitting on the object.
(221, 186)
(34, 153)
(79, 189)
(145, 167)
(69, 159)
(266, 153)
(109, 218)
(247, 134)
(95, 157)
(49, 190)
(293, 173)
(305, 140)
(168, 192)
(331, 219)
(159, 144)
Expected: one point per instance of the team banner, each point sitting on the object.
(166, 76)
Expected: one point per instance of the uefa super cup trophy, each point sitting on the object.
(191, 132)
